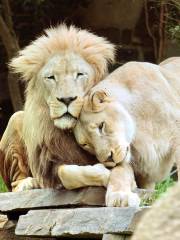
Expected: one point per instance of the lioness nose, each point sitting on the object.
(67, 100)
(110, 157)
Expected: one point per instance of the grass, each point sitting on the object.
(2, 186)
(163, 186)
(160, 189)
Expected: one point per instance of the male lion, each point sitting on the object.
(58, 68)
(132, 118)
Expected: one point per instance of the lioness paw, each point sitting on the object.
(25, 184)
(122, 199)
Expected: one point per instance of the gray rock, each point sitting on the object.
(116, 237)
(81, 222)
(48, 198)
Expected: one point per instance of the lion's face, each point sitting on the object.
(66, 78)
(59, 68)
(105, 129)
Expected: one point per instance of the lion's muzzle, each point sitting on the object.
(115, 158)
(65, 111)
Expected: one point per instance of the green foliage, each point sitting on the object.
(160, 189)
(3, 187)
(172, 16)
(163, 186)
(175, 33)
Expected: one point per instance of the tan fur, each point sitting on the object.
(62, 63)
(13, 159)
(162, 221)
(136, 107)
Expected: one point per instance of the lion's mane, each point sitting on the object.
(95, 50)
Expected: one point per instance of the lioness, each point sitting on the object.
(58, 69)
(132, 118)
(162, 221)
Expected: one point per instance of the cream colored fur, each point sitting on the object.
(136, 107)
(162, 221)
(25, 184)
(73, 176)
(62, 64)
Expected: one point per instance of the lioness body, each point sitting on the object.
(58, 68)
(162, 221)
(138, 107)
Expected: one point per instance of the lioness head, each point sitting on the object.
(60, 67)
(105, 129)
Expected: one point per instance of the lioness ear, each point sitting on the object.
(98, 99)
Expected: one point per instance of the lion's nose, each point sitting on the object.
(110, 157)
(67, 100)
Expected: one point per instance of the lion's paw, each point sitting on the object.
(103, 173)
(26, 184)
(74, 176)
(122, 199)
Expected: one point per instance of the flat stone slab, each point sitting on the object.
(78, 222)
(7, 228)
(49, 198)
(116, 237)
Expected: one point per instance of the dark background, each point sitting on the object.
(144, 30)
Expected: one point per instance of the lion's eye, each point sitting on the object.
(80, 74)
(101, 126)
(52, 77)
(84, 145)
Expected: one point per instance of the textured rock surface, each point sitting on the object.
(44, 198)
(48, 198)
(7, 228)
(89, 222)
(115, 237)
(3, 221)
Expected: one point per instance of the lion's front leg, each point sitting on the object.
(74, 176)
(13, 159)
(119, 190)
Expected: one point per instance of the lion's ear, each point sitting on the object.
(98, 99)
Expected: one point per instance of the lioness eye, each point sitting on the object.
(79, 74)
(101, 126)
(51, 77)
